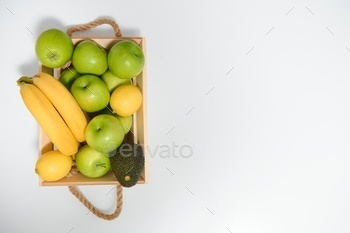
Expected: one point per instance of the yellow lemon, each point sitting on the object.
(53, 165)
(126, 100)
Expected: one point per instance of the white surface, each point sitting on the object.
(270, 140)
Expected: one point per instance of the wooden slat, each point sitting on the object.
(142, 132)
(79, 179)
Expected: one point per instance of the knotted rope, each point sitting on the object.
(93, 24)
(119, 200)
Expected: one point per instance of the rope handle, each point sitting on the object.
(93, 24)
(119, 200)
(73, 189)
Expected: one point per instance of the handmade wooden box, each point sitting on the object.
(137, 134)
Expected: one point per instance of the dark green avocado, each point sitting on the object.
(127, 163)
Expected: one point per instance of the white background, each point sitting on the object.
(258, 89)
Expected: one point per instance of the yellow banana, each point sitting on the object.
(64, 102)
(48, 118)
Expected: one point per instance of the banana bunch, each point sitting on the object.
(55, 110)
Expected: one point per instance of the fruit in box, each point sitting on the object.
(92, 163)
(53, 48)
(64, 102)
(113, 81)
(126, 100)
(127, 163)
(104, 133)
(53, 117)
(126, 59)
(126, 121)
(53, 165)
(68, 76)
(91, 93)
(89, 58)
(48, 117)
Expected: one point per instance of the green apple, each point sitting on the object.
(92, 163)
(126, 59)
(68, 76)
(90, 58)
(126, 121)
(53, 48)
(113, 81)
(90, 92)
(104, 133)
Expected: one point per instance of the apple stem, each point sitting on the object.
(101, 165)
(24, 80)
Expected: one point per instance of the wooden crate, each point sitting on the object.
(138, 133)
